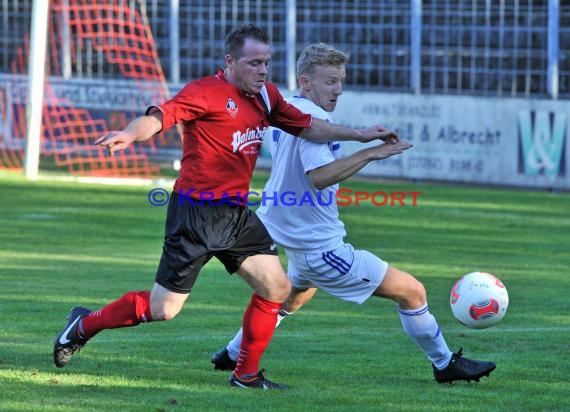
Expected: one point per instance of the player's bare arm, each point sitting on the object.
(322, 131)
(342, 169)
(140, 129)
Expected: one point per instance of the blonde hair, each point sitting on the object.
(319, 54)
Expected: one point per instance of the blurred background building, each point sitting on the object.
(511, 56)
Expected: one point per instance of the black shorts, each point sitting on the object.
(194, 233)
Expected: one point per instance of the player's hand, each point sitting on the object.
(386, 150)
(378, 132)
(115, 140)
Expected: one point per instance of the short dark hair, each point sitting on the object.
(236, 38)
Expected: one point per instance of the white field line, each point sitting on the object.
(113, 181)
(198, 335)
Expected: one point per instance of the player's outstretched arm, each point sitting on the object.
(140, 129)
(342, 169)
(322, 131)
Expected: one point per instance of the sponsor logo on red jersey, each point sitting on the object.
(249, 137)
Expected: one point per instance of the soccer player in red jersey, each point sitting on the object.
(224, 118)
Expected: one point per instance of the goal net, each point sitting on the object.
(102, 70)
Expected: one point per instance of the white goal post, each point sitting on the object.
(36, 76)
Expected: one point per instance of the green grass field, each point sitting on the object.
(64, 244)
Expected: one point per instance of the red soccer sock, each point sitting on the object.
(129, 310)
(258, 326)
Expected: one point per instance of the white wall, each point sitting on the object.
(515, 142)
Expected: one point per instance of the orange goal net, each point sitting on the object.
(102, 70)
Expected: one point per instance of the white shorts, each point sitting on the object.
(347, 273)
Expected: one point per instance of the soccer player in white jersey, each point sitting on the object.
(313, 235)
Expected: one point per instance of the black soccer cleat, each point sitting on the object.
(222, 361)
(256, 382)
(463, 369)
(69, 341)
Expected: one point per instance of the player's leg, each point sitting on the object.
(266, 277)
(130, 309)
(423, 329)
(297, 299)
(226, 358)
(415, 316)
(305, 271)
(301, 292)
(355, 275)
(178, 269)
(253, 256)
(271, 288)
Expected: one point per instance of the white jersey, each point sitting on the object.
(298, 216)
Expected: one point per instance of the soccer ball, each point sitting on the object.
(479, 300)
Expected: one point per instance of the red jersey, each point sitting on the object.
(223, 132)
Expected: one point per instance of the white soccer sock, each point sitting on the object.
(422, 327)
(282, 314)
(235, 344)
